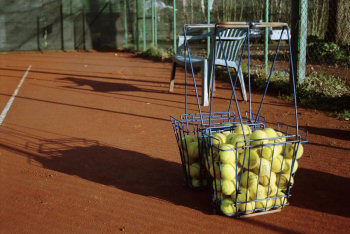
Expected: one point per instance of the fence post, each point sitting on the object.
(125, 25)
(144, 24)
(155, 26)
(299, 38)
(266, 51)
(152, 17)
(38, 32)
(174, 24)
(208, 21)
(137, 46)
(83, 16)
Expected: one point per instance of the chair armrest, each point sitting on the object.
(181, 39)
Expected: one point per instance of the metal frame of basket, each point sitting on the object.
(231, 197)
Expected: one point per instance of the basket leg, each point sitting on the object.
(172, 78)
(205, 92)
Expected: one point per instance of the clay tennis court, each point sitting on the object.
(87, 147)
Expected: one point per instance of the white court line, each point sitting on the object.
(9, 103)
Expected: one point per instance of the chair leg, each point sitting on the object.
(172, 78)
(205, 92)
(241, 80)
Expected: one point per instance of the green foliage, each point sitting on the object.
(156, 54)
(329, 52)
(318, 91)
(343, 115)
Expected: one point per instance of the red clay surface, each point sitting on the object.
(88, 147)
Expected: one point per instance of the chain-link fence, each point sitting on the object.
(139, 24)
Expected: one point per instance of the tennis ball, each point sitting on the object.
(238, 141)
(227, 207)
(212, 156)
(294, 149)
(283, 181)
(185, 141)
(277, 163)
(279, 203)
(281, 137)
(247, 207)
(228, 187)
(238, 129)
(271, 190)
(249, 159)
(227, 154)
(217, 185)
(242, 195)
(257, 192)
(268, 152)
(249, 179)
(264, 204)
(218, 139)
(258, 137)
(195, 170)
(270, 132)
(196, 183)
(268, 179)
(287, 166)
(229, 137)
(264, 169)
(227, 132)
(214, 170)
(228, 172)
(192, 150)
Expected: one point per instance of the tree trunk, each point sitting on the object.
(332, 20)
(343, 22)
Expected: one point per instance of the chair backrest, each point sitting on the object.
(181, 39)
(232, 40)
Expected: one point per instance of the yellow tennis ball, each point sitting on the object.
(270, 132)
(238, 141)
(196, 183)
(195, 170)
(227, 154)
(279, 203)
(192, 150)
(283, 181)
(257, 192)
(287, 166)
(271, 190)
(268, 179)
(227, 132)
(294, 149)
(228, 187)
(268, 152)
(249, 179)
(247, 207)
(242, 195)
(217, 185)
(249, 159)
(218, 139)
(185, 141)
(264, 204)
(264, 169)
(277, 163)
(229, 137)
(214, 170)
(238, 129)
(281, 136)
(227, 207)
(258, 137)
(228, 172)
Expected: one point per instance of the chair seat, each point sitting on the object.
(180, 59)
